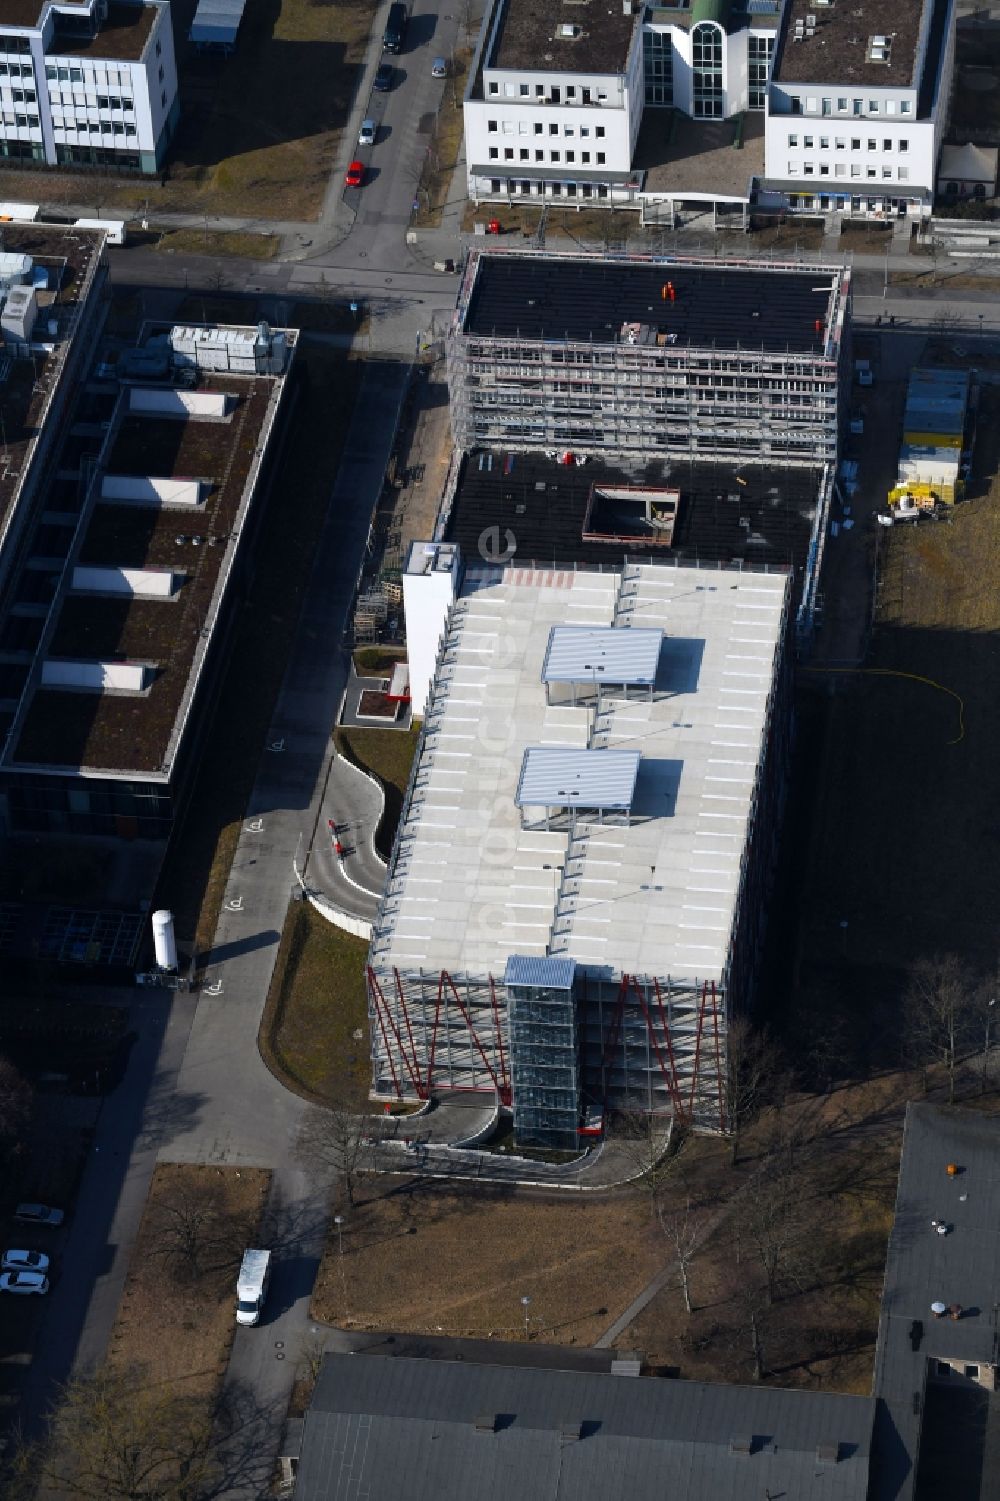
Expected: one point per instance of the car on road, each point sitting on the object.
(384, 76)
(38, 1214)
(23, 1282)
(355, 175)
(367, 133)
(24, 1261)
(439, 67)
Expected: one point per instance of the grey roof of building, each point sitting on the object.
(556, 776)
(578, 653)
(454, 1429)
(520, 171)
(923, 1267)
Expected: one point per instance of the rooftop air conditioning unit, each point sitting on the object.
(568, 31)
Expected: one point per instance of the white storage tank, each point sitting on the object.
(164, 942)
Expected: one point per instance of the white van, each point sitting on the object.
(116, 230)
(251, 1286)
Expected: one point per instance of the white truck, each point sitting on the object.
(251, 1286)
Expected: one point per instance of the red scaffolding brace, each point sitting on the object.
(421, 1080)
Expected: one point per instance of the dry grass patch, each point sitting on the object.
(431, 1259)
(247, 246)
(193, 1319)
(314, 1031)
(446, 143)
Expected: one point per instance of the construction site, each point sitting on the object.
(740, 361)
(576, 899)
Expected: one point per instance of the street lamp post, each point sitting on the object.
(986, 1049)
(338, 1220)
(526, 1304)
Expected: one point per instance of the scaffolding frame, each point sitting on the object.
(737, 403)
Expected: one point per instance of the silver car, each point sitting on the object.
(24, 1261)
(23, 1282)
(367, 133)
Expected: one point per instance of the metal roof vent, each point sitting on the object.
(486, 1422)
(827, 1454)
(567, 32)
(572, 1431)
(741, 1444)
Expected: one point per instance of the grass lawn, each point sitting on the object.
(197, 865)
(436, 1258)
(220, 242)
(430, 1259)
(258, 131)
(183, 1333)
(315, 1023)
(371, 660)
(389, 754)
(446, 144)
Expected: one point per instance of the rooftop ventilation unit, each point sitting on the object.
(879, 49)
(567, 32)
(742, 1443)
(827, 1454)
(486, 1422)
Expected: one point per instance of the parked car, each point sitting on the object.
(38, 1214)
(383, 78)
(367, 133)
(23, 1282)
(355, 175)
(24, 1261)
(439, 67)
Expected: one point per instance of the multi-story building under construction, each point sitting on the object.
(735, 360)
(576, 899)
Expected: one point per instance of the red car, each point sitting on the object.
(355, 175)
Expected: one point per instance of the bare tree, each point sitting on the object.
(195, 1235)
(331, 1140)
(682, 1232)
(654, 1149)
(771, 1225)
(940, 1019)
(755, 1073)
(117, 1436)
(751, 1303)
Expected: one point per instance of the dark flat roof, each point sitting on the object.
(123, 35)
(458, 1429)
(528, 36)
(546, 298)
(70, 252)
(543, 504)
(838, 52)
(923, 1267)
(113, 731)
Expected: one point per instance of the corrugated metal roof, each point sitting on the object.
(377, 1418)
(613, 654)
(561, 777)
(554, 974)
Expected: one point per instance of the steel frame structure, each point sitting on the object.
(738, 404)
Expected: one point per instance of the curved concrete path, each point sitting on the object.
(353, 880)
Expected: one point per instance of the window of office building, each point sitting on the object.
(658, 67)
(759, 53)
(706, 63)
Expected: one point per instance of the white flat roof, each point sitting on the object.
(553, 777)
(470, 886)
(581, 654)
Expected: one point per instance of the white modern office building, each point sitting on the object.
(842, 107)
(858, 105)
(87, 83)
(558, 89)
